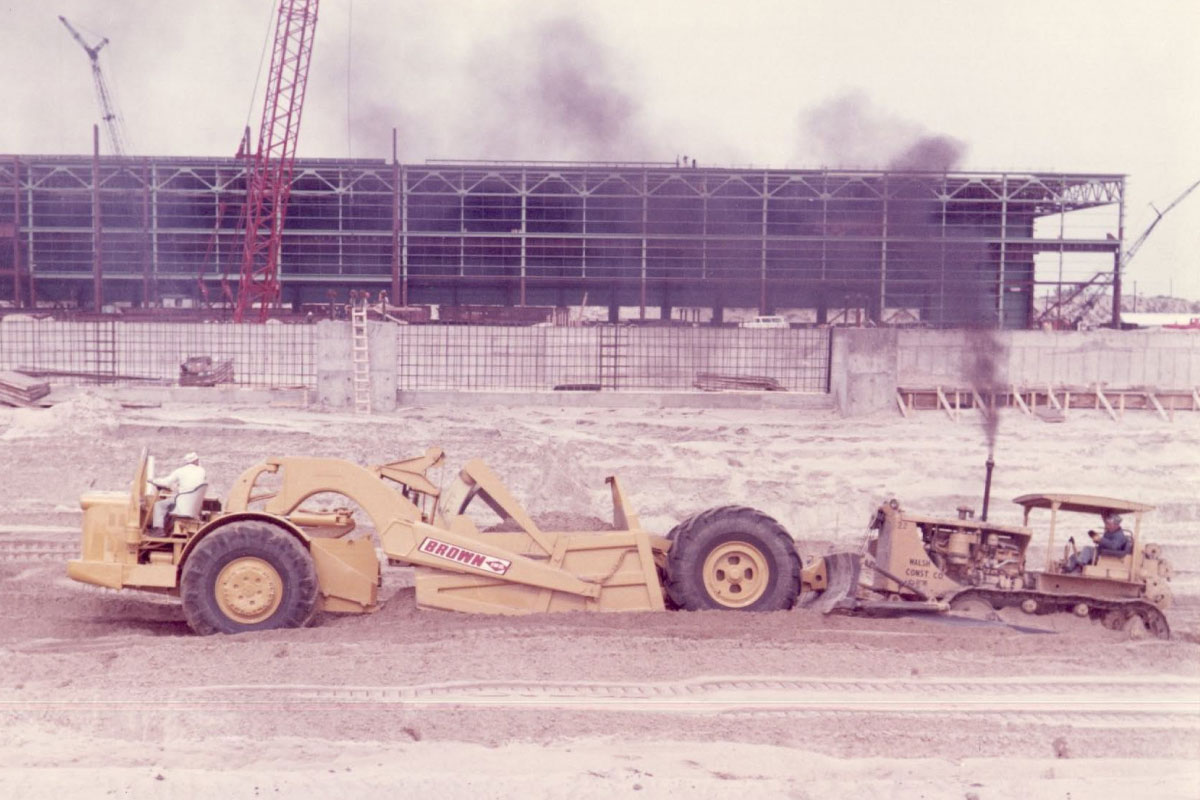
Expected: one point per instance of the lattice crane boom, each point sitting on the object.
(104, 98)
(270, 179)
(1158, 215)
(1103, 281)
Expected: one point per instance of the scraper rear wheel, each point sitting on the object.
(732, 557)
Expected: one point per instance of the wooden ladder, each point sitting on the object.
(612, 345)
(361, 358)
(100, 349)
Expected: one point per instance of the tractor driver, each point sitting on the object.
(1114, 541)
(188, 478)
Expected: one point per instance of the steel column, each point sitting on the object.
(154, 263)
(16, 237)
(1118, 263)
(1002, 287)
(342, 191)
(396, 291)
(583, 242)
(524, 229)
(29, 236)
(824, 226)
(404, 300)
(645, 224)
(942, 267)
(149, 287)
(883, 248)
(97, 231)
(762, 278)
(1062, 236)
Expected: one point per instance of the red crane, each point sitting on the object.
(270, 180)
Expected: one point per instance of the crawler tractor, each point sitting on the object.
(980, 568)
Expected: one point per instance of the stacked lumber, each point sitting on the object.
(495, 315)
(201, 371)
(21, 390)
(1048, 402)
(715, 382)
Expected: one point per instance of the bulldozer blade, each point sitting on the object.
(842, 571)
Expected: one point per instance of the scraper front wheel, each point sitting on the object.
(732, 557)
(248, 576)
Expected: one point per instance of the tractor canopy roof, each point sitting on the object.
(1086, 503)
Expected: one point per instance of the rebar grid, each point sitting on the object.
(609, 357)
(124, 353)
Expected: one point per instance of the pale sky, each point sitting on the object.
(1105, 85)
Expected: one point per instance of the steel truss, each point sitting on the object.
(945, 249)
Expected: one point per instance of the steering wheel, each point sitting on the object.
(1069, 550)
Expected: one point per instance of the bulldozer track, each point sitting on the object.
(1156, 622)
(24, 551)
(1144, 702)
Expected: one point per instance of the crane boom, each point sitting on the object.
(1094, 289)
(108, 112)
(1158, 215)
(270, 180)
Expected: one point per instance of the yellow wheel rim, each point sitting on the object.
(736, 574)
(248, 590)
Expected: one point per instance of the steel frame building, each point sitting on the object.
(948, 248)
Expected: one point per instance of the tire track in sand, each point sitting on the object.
(1158, 702)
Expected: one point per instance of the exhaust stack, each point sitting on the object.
(987, 488)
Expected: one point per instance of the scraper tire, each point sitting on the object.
(248, 576)
(732, 557)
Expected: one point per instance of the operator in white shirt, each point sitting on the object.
(188, 478)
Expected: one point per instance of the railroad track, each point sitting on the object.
(25, 550)
(1138, 702)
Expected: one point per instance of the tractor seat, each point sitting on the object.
(1117, 567)
(186, 505)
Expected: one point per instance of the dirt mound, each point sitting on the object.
(84, 415)
(561, 521)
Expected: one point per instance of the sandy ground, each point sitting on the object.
(108, 694)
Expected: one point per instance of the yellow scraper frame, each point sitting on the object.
(458, 567)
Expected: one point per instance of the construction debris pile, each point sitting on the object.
(201, 371)
(715, 382)
(21, 390)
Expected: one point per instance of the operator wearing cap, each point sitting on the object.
(185, 479)
(1114, 541)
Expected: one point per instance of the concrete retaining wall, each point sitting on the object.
(863, 369)
(428, 364)
(868, 365)
(335, 369)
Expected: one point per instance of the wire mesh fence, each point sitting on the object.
(113, 352)
(429, 357)
(610, 357)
